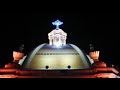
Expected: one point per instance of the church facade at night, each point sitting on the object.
(57, 59)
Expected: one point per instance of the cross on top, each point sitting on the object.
(57, 23)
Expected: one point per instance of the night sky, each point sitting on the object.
(32, 28)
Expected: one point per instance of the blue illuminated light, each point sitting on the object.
(57, 23)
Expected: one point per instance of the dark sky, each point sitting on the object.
(32, 28)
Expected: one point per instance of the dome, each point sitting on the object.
(49, 57)
(57, 54)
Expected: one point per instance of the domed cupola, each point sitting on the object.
(57, 54)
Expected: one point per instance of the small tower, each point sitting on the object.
(17, 55)
(93, 53)
(95, 56)
(57, 36)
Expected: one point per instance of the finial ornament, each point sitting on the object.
(57, 23)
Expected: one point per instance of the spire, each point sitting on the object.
(57, 23)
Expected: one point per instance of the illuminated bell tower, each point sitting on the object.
(57, 36)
